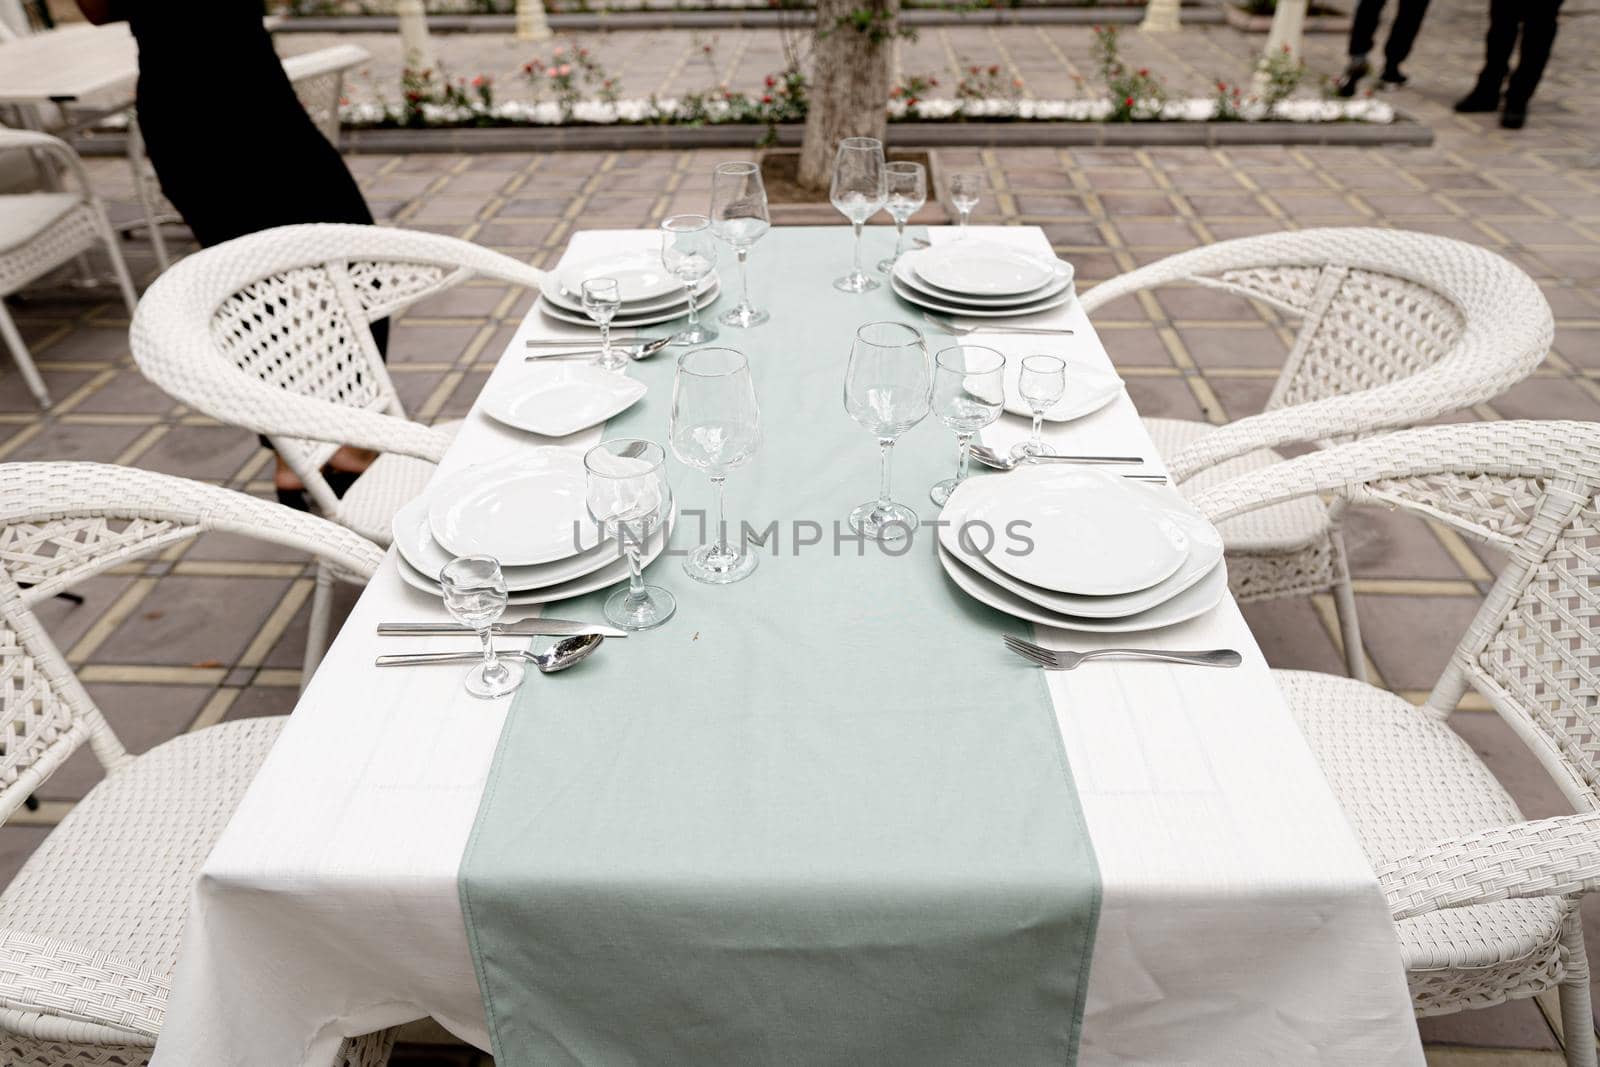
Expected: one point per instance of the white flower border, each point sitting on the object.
(663, 110)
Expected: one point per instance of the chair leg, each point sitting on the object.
(1344, 603)
(119, 266)
(19, 352)
(317, 631)
(1577, 1013)
(141, 186)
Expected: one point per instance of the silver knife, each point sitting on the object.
(518, 628)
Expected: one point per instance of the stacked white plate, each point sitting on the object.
(1081, 549)
(981, 279)
(649, 294)
(527, 511)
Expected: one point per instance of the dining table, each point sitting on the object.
(1231, 915)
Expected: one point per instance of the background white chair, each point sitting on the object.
(40, 231)
(89, 928)
(1485, 904)
(1396, 328)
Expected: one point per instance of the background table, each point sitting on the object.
(1239, 919)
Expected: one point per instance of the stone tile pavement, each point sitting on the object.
(213, 629)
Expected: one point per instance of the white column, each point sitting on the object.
(414, 43)
(531, 24)
(1288, 31)
(1161, 16)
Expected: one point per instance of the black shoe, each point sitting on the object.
(1391, 76)
(340, 481)
(1514, 117)
(1479, 100)
(293, 498)
(1353, 73)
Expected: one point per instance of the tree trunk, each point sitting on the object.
(849, 90)
(414, 43)
(1288, 31)
(1161, 16)
(531, 24)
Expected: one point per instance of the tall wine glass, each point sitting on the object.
(886, 390)
(628, 496)
(475, 595)
(689, 254)
(602, 297)
(739, 217)
(908, 191)
(715, 425)
(858, 191)
(1042, 381)
(964, 192)
(969, 392)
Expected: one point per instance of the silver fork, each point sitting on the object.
(1052, 659)
(962, 331)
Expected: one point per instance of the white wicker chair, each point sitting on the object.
(271, 332)
(89, 928)
(1396, 328)
(40, 231)
(1485, 903)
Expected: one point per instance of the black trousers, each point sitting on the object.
(1401, 35)
(1535, 21)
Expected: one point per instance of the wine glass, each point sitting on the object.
(886, 390)
(964, 192)
(1042, 381)
(969, 391)
(715, 425)
(628, 496)
(858, 191)
(475, 595)
(908, 191)
(739, 217)
(689, 254)
(601, 299)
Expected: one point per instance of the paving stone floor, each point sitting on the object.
(213, 629)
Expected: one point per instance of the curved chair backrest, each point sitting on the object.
(272, 332)
(63, 522)
(1396, 328)
(1528, 488)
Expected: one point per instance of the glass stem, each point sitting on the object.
(636, 592)
(1038, 424)
(857, 272)
(490, 662)
(719, 544)
(886, 450)
(744, 277)
(899, 237)
(605, 343)
(694, 313)
(963, 451)
(963, 232)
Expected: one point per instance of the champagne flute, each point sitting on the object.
(964, 192)
(858, 191)
(908, 191)
(689, 254)
(969, 392)
(628, 496)
(475, 595)
(715, 425)
(886, 390)
(602, 297)
(739, 217)
(1042, 381)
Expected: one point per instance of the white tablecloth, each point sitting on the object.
(1240, 920)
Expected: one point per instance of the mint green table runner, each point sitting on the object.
(820, 817)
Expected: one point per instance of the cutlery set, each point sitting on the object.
(578, 641)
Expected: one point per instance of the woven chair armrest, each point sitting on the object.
(1544, 858)
(324, 61)
(54, 990)
(25, 140)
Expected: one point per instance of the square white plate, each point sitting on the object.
(557, 400)
(1088, 390)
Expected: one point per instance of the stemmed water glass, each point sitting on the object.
(628, 497)
(739, 217)
(1042, 381)
(689, 254)
(859, 190)
(601, 299)
(715, 425)
(475, 595)
(964, 192)
(908, 191)
(969, 391)
(886, 390)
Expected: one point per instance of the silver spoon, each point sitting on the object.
(558, 657)
(1006, 462)
(646, 352)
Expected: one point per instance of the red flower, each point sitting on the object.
(993, 71)
(771, 81)
(1128, 102)
(1016, 83)
(477, 83)
(1222, 87)
(766, 98)
(1144, 72)
(911, 101)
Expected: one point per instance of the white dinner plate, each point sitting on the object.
(905, 270)
(1192, 602)
(982, 268)
(614, 570)
(551, 290)
(1088, 390)
(921, 300)
(1092, 532)
(1205, 552)
(525, 508)
(622, 322)
(639, 275)
(413, 539)
(555, 399)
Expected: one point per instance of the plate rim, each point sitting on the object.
(635, 254)
(905, 270)
(561, 314)
(996, 246)
(514, 582)
(510, 460)
(910, 296)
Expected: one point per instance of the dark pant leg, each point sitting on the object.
(1404, 31)
(1505, 19)
(1538, 35)
(1364, 27)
